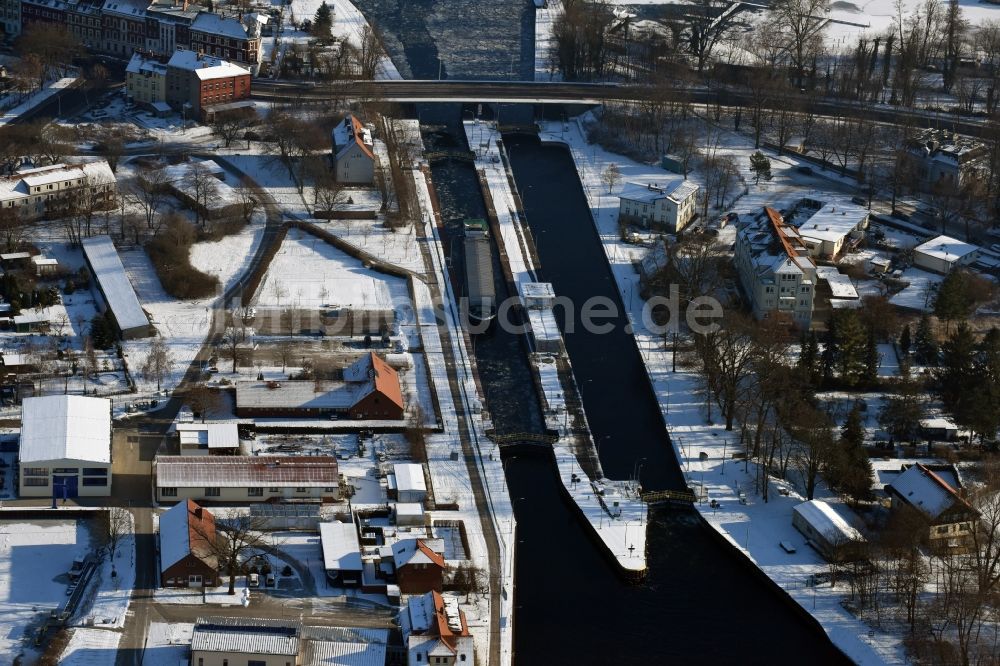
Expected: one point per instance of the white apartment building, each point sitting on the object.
(36, 192)
(670, 205)
(776, 271)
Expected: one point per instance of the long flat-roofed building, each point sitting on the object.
(113, 283)
(65, 448)
(246, 478)
(776, 271)
(231, 641)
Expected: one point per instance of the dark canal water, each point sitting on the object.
(700, 603)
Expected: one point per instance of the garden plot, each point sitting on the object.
(35, 558)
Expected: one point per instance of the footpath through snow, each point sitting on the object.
(751, 526)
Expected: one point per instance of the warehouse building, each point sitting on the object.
(116, 290)
(246, 478)
(65, 448)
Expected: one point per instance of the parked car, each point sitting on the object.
(805, 170)
(861, 201)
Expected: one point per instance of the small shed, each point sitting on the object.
(827, 531)
(410, 484)
(341, 553)
(409, 514)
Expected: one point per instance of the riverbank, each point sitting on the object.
(750, 526)
(613, 509)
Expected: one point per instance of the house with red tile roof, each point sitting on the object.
(353, 153)
(950, 518)
(187, 559)
(419, 569)
(435, 631)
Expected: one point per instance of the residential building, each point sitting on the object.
(10, 17)
(195, 80)
(406, 483)
(776, 271)
(50, 191)
(419, 568)
(146, 81)
(116, 291)
(246, 478)
(370, 390)
(669, 205)
(435, 631)
(943, 161)
(833, 229)
(202, 439)
(826, 530)
(353, 152)
(123, 26)
(949, 517)
(65, 447)
(229, 38)
(341, 553)
(187, 555)
(230, 641)
(943, 254)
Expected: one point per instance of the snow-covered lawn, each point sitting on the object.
(308, 272)
(919, 295)
(35, 558)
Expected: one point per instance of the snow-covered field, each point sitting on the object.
(35, 558)
(91, 647)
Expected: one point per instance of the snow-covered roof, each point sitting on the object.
(409, 476)
(675, 189)
(204, 66)
(248, 636)
(825, 520)
(214, 24)
(182, 533)
(65, 427)
(345, 646)
(209, 435)
(341, 548)
(409, 509)
(246, 471)
(351, 132)
(543, 324)
(840, 284)
(297, 394)
(113, 281)
(945, 248)
(417, 551)
(925, 491)
(138, 64)
(833, 222)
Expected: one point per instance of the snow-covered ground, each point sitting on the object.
(545, 43)
(91, 647)
(348, 24)
(35, 558)
(752, 526)
(168, 644)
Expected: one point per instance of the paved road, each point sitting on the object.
(135, 448)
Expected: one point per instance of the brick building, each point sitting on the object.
(419, 569)
(195, 80)
(187, 532)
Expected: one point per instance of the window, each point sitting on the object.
(65, 470)
(329, 489)
(35, 481)
(95, 471)
(255, 492)
(256, 662)
(212, 492)
(300, 490)
(168, 492)
(274, 490)
(420, 657)
(34, 471)
(95, 481)
(943, 529)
